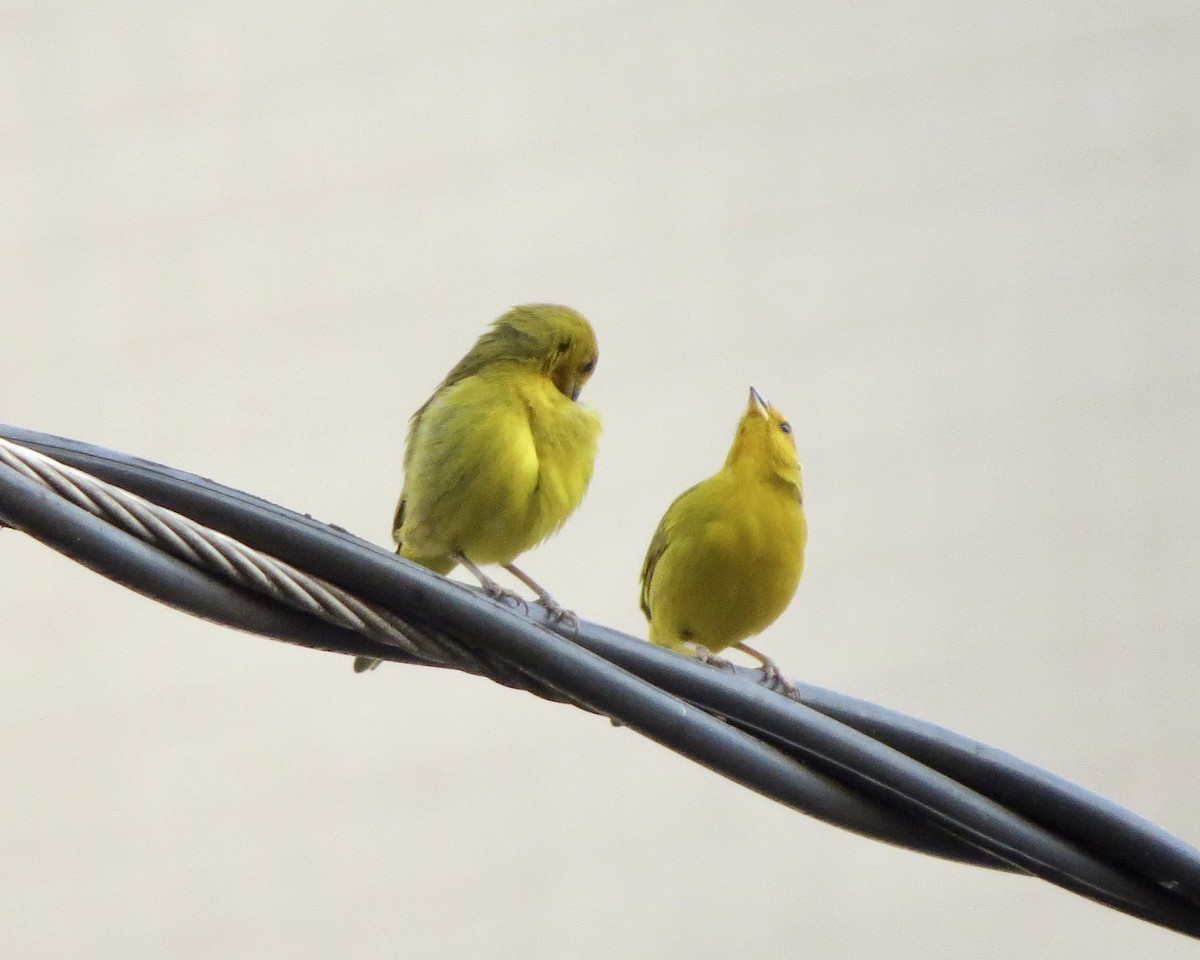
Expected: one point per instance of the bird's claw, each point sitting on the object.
(509, 598)
(555, 612)
(558, 613)
(774, 680)
(772, 677)
(704, 655)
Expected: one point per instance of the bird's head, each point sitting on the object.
(556, 338)
(764, 441)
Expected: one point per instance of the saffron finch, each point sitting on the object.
(501, 454)
(727, 556)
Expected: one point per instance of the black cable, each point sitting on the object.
(871, 770)
(101, 547)
(641, 706)
(1075, 813)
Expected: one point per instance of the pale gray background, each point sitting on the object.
(956, 243)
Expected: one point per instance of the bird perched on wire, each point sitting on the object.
(727, 556)
(502, 453)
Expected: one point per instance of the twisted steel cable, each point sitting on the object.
(230, 557)
(226, 558)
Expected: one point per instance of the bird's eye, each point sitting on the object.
(785, 426)
(588, 367)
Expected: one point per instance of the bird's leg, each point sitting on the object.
(557, 612)
(490, 586)
(773, 678)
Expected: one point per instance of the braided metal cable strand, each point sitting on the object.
(216, 552)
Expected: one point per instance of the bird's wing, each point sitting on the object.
(398, 521)
(658, 546)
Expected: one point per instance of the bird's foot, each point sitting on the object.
(491, 588)
(704, 655)
(558, 613)
(554, 610)
(510, 598)
(773, 678)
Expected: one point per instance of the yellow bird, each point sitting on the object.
(727, 556)
(502, 453)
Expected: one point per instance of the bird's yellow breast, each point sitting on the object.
(497, 463)
(732, 552)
